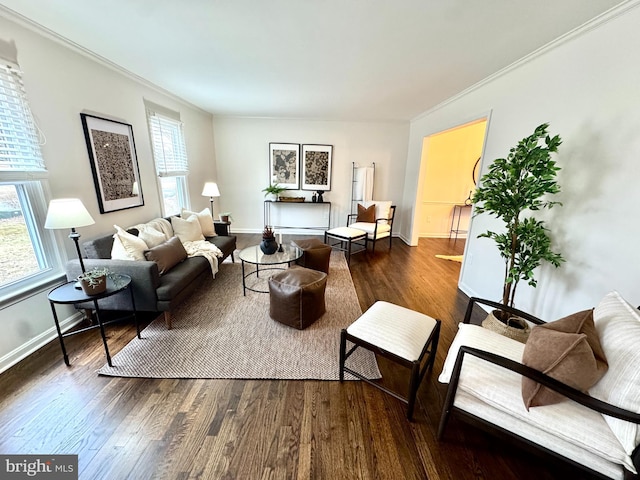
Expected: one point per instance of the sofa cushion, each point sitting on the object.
(180, 277)
(226, 244)
(205, 219)
(127, 246)
(167, 255)
(187, 230)
(618, 325)
(567, 350)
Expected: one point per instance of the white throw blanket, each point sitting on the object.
(206, 250)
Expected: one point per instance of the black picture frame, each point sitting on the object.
(114, 163)
(316, 167)
(284, 165)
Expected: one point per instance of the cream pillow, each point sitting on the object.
(205, 219)
(151, 236)
(188, 230)
(618, 325)
(127, 246)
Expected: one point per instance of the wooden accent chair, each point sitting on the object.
(377, 228)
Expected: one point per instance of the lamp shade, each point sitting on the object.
(210, 190)
(67, 213)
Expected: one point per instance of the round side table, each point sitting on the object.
(69, 294)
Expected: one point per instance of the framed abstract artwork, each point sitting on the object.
(316, 167)
(284, 165)
(114, 164)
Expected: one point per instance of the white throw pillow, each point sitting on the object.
(151, 236)
(205, 219)
(188, 230)
(618, 325)
(127, 246)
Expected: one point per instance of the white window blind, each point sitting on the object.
(168, 145)
(20, 154)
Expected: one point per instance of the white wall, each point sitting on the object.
(60, 84)
(588, 89)
(242, 152)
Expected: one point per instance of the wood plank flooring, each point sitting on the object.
(231, 429)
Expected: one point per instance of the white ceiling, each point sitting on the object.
(314, 59)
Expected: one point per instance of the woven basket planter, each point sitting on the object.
(517, 328)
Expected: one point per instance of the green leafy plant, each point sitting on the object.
(512, 188)
(95, 276)
(273, 188)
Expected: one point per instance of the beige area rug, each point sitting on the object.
(219, 333)
(453, 258)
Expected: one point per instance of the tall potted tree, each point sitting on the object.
(511, 190)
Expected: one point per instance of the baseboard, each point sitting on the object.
(36, 343)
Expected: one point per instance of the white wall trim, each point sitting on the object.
(36, 343)
(594, 23)
(85, 52)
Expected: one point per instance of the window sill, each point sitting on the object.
(44, 283)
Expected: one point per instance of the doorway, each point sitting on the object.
(449, 172)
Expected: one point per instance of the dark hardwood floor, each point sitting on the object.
(213, 429)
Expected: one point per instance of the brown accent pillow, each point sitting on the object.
(568, 350)
(367, 215)
(167, 255)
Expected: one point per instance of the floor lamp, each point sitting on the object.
(69, 213)
(211, 190)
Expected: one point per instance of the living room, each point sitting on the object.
(584, 84)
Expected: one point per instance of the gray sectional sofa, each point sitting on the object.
(152, 291)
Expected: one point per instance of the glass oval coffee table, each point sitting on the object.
(253, 255)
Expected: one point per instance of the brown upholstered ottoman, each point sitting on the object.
(316, 254)
(296, 296)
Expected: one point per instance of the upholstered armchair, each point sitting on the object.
(376, 218)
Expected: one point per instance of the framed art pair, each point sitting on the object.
(294, 168)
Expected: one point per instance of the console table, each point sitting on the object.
(455, 220)
(315, 206)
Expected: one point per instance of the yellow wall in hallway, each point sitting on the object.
(449, 158)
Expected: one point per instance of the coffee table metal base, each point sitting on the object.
(263, 262)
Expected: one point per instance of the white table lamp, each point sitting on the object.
(69, 213)
(211, 190)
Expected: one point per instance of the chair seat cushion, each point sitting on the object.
(395, 329)
(347, 232)
(383, 228)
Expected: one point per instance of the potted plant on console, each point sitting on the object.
(512, 189)
(274, 190)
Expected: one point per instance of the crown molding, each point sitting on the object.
(586, 27)
(85, 52)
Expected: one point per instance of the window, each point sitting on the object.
(27, 251)
(170, 157)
